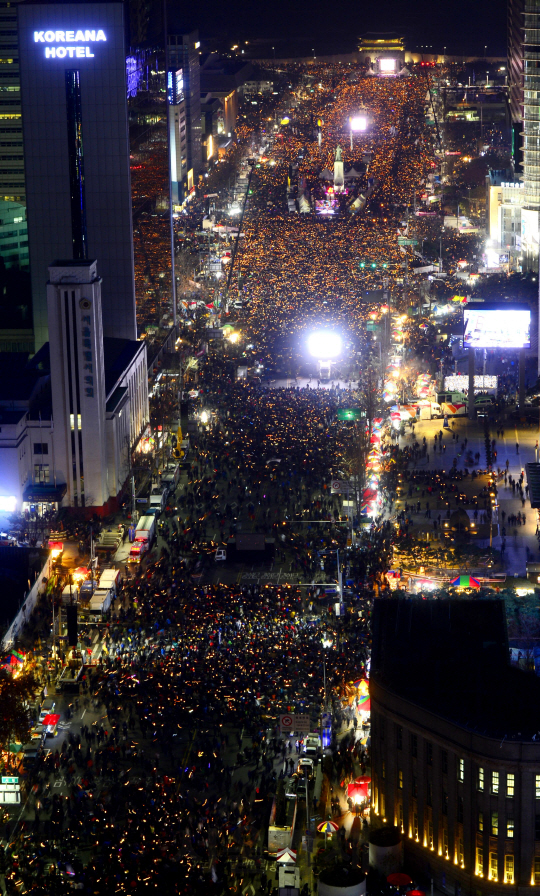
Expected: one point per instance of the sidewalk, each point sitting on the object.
(518, 538)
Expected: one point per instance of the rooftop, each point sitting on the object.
(118, 355)
(451, 658)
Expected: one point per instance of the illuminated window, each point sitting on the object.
(382, 804)
(461, 854)
(494, 782)
(537, 870)
(42, 473)
(494, 824)
(461, 770)
(537, 786)
(510, 828)
(430, 834)
(400, 779)
(480, 821)
(509, 869)
(479, 860)
(510, 784)
(480, 779)
(445, 842)
(493, 866)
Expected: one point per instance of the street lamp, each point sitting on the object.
(324, 344)
(357, 123)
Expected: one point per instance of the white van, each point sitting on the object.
(312, 745)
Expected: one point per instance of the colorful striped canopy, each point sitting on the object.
(465, 582)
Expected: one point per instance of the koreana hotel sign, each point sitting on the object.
(67, 44)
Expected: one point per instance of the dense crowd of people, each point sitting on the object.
(321, 280)
(169, 784)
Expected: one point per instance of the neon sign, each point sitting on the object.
(67, 37)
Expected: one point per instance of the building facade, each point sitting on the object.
(99, 388)
(76, 149)
(457, 772)
(468, 806)
(12, 184)
(13, 234)
(515, 23)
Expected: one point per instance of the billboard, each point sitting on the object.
(175, 87)
(497, 327)
(358, 123)
(326, 206)
(387, 66)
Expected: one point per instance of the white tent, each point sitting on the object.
(286, 855)
(353, 174)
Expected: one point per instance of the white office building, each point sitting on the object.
(71, 415)
(95, 421)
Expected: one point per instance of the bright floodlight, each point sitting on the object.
(359, 123)
(387, 65)
(324, 345)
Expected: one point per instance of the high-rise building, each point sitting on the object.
(184, 111)
(98, 385)
(76, 150)
(531, 108)
(524, 98)
(515, 23)
(78, 380)
(12, 187)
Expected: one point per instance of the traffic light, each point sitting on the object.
(72, 628)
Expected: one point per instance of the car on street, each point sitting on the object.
(47, 707)
(305, 767)
(312, 746)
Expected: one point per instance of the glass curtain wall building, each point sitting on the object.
(531, 104)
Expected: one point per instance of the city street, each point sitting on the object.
(275, 492)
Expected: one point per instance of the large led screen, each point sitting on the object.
(497, 328)
(326, 206)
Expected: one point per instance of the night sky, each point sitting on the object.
(464, 26)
